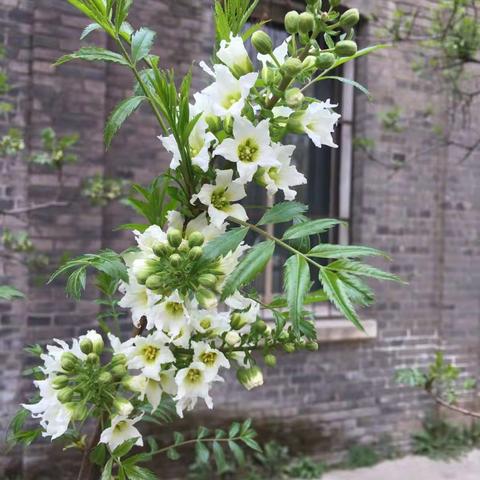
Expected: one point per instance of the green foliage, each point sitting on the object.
(231, 16)
(312, 227)
(282, 213)
(225, 243)
(55, 150)
(105, 261)
(12, 143)
(325, 250)
(10, 293)
(101, 190)
(142, 42)
(93, 54)
(305, 467)
(391, 119)
(360, 456)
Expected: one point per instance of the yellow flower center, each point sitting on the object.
(219, 199)
(205, 323)
(150, 353)
(231, 99)
(174, 308)
(120, 426)
(194, 375)
(247, 151)
(274, 174)
(208, 358)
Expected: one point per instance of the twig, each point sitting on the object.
(33, 208)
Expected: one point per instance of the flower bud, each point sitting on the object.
(154, 282)
(309, 62)
(283, 336)
(262, 42)
(195, 239)
(238, 321)
(97, 342)
(291, 22)
(350, 18)
(295, 123)
(93, 359)
(214, 123)
(119, 371)
(206, 298)
(174, 237)
(134, 384)
(325, 60)
(232, 338)
(68, 361)
(105, 378)
(270, 360)
(306, 22)
(207, 280)
(123, 406)
(294, 97)
(161, 249)
(195, 253)
(289, 347)
(346, 48)
(335, 3)
(59, 382)
(259, 326)
(65, 395)
(118, 359)
(143, 268)
(78, 410)
(250, 377)
(175, 259)
(292, 67)
(86, 346)
(312, 346)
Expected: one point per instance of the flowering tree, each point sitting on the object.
(186, 282)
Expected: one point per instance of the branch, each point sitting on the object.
(454, 408)
(33, 208)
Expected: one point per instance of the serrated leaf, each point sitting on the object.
(249, 267)
(98, 454)
(336, 293)
(219, 456)
(282, 213)
(251, 443)
(122, 111)
(142, 42)
(202, 452)
(89, 29)
(358, 292)
(124, 448)
(312, 227)
(92, 54)
(107, 471)
(296, 284)
(362, 269)
(225, 243)
(10, 293)
(234, 430)
(350, 82)
(202, 432)
(237, 451)
(326, 250)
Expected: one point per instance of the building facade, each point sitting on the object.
(426, 214)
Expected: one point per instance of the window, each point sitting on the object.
(328, 170)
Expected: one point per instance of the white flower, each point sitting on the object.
(210, 322)
(249, 148)
(319, 122)
(119, 348)
(183, 337)
(152, 235)
(282, 111)
(212, 359)
(170, 315)
(199, 141)
(280, 53)
(229, 262)
(193, 383)
(121, 429)
(235, 56)
(228, 94)
(150, 354)
(52, 359)
(153, 389)
(218, 198)
(198, 224)
(55, 417)
(284, 176)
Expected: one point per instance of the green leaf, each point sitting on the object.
(350, 82)
(252, 264)
(134, 472)
(142, 42)
(202, 453)
(225, 243)
(311, 228)
(283, 212)
(10, 293)
(237, 451)
(362, 269)
(93, 54)
(89, 29)
(234, 429)
(360, 53)
(335, 290)
(327, 250)
(107, 471)
(358, 292)
(296, 284)
(124, 448)
(219, 457)
(98, 454)
(122, 111)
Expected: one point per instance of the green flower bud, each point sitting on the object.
(295, 124)
(292, 67)
(289, 347)
(259, 326)
(325, 60)
(195, 253)
(154, 282)
(97, 343)
(174, 237)
(79, 411)
(250, 377)
(238, 321)
(350, 18)
(206, 298)
(123, 406)
(119, 371)
(105, 378)
(144, 268)
(93, 359)
(335, 3)
(69, 362)
(161, 249)
(270, 360)
(118, 359)
(306, 22)
(309, 62)
(59, 382)
(291, 22)
(232, 338)
(312, 346)
(207, 280)
(86, 346)
(262, 42)
(195, 239)
(283, 336)
(294, 97)
(214, 123)
(175, 259)
(346, 48)
(65, 395)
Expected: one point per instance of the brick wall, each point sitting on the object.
(426, 215)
